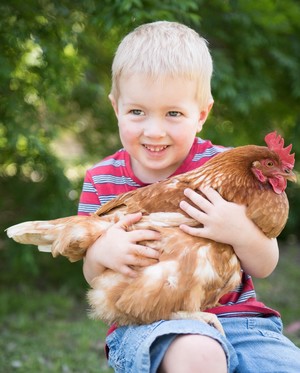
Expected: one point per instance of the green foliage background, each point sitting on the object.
(56, 120)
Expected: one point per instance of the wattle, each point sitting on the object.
(278, 184)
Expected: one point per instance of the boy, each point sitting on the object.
(161, 96)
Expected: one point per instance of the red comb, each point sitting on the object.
(276, 143)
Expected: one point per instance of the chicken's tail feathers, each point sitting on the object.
(32, 233)
(70, 236)
(45, 248)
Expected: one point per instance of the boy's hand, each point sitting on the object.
(120, 250)
(222, 221)
(227, 222)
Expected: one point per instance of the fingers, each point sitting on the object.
(128, 220)
(128, 271)
(140, 256)
(199, 200)
(211, 194)
(205, 203)
(138, 235)
(194, 212)
(142, 261)
(192, 231)
(129, 240)
(199, 210)
(145, 252)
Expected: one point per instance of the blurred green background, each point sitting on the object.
(56, 120)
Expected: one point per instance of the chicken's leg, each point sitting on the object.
(207, 317)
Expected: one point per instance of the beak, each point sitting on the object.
(291, 176)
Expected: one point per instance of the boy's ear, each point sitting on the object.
(203, 116)
(113, 103)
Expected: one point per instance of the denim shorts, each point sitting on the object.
(251, 345)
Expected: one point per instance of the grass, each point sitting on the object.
(49, 332)
(44, 329)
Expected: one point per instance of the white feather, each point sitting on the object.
(45, 248)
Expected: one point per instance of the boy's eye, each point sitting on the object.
(174, 114)
(137, 112)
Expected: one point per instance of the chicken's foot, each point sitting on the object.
(207, 317)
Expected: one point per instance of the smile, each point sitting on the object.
(155, 149)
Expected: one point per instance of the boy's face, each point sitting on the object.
(158, 121)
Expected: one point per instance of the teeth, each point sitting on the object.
(155, 148)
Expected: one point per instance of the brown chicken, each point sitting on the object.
(192, 273)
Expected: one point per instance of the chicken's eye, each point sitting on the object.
(270, 164)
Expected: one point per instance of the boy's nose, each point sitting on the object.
(155, 129)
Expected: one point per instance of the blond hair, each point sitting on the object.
(165, 49)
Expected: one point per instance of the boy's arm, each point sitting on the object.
(227, 222)
(119, 250)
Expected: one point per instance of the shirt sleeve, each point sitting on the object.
(89, 200)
